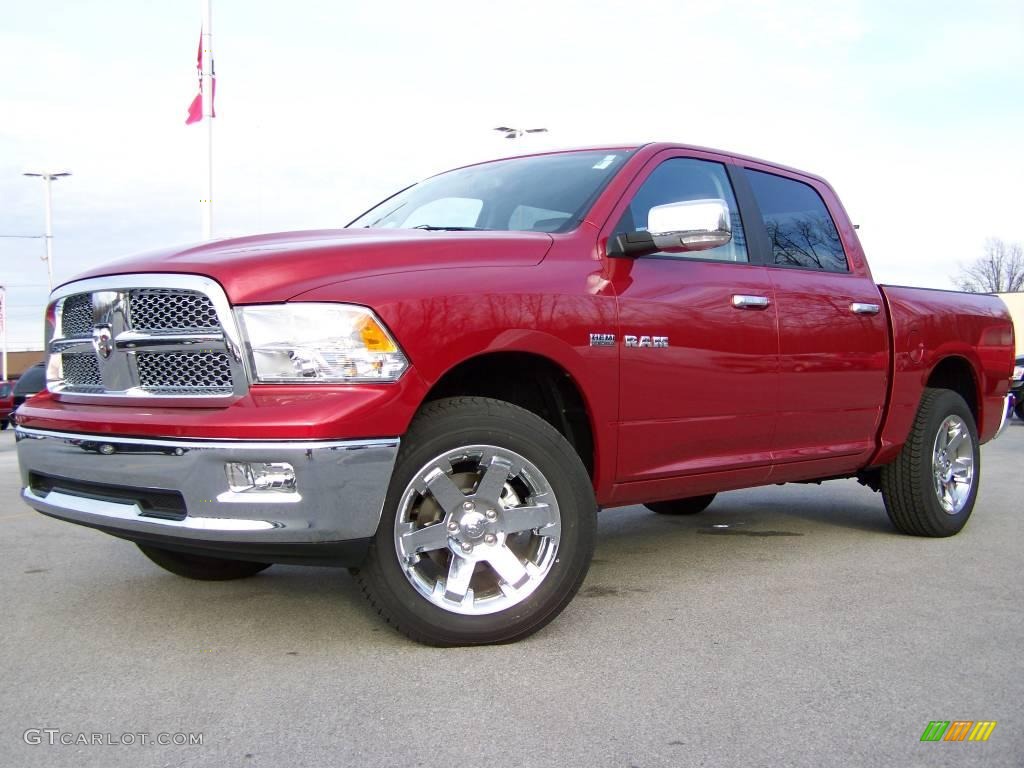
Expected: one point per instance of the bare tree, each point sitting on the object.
(1000, 270)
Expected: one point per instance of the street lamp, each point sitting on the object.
(48, 178)
(515, 133)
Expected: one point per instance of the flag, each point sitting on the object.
(195, 109)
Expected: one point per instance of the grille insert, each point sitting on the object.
(168, 310)
(81, 371)
(76, 317)
(184, 372)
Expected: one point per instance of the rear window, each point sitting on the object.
(799, 225)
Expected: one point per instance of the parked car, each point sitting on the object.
(1017, 386)
(443, 394)
(6, 403)
(31, 382)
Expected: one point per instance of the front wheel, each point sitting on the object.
(488, 526)
(201, 567)
(931, 487)
(3, 423)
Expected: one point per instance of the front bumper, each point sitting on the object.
(108, 482)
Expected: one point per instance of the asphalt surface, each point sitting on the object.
(807, 633)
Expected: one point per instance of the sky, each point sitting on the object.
(914, 111)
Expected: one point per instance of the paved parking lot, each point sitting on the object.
(807, 633)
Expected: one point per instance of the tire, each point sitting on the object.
(200, 567)
(931, 487)
(687, 506)
(3, 424)
(447, 565)
(1019, 409)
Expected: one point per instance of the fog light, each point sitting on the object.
(260, 477)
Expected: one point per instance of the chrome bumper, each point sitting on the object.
(1007, 408)
(340, 486)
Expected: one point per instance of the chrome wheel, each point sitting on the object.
(477, 530)
(953, 464)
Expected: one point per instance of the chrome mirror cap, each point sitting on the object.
(690, 225)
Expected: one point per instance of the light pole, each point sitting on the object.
(3, 322)
(48, 178)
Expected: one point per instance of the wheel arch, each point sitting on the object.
(954, 370)
(532, 381)
(956, 373)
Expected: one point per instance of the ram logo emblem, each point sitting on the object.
(646, 341)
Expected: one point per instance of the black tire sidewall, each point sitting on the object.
(475, 421)
(947, 404)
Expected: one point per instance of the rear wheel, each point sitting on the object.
(931, 487)
(487, 530)
(201, 567)
(688, 506)
(1019, 409)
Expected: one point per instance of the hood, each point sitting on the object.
(276, 267)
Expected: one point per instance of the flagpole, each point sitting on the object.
(207, 90)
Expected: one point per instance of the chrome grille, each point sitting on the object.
(147, 335)
(184, 372)
(82, 371)
(164, 309)
(76, 319)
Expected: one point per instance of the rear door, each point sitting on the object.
(833, 334)
(698, 341)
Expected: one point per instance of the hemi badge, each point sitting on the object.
(602, 339)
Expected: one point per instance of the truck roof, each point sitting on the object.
(652, 148)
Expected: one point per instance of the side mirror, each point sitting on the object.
(683, 227)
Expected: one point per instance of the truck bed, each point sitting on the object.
(930, 324)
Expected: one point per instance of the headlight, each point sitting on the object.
(1018, 372)
(319, 343)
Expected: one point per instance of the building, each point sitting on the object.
(1015, 303)
(19, 362)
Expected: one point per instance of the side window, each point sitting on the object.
(799, 226)
(678, 180)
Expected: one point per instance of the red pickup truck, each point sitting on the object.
(442, 395)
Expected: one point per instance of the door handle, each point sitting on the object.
(741, 301)
(860, 308)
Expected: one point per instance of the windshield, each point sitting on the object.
(545, 193)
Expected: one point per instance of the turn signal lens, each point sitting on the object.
(374, 337)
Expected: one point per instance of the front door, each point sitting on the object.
(698, 359)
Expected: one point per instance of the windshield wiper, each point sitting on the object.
(432, 228)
